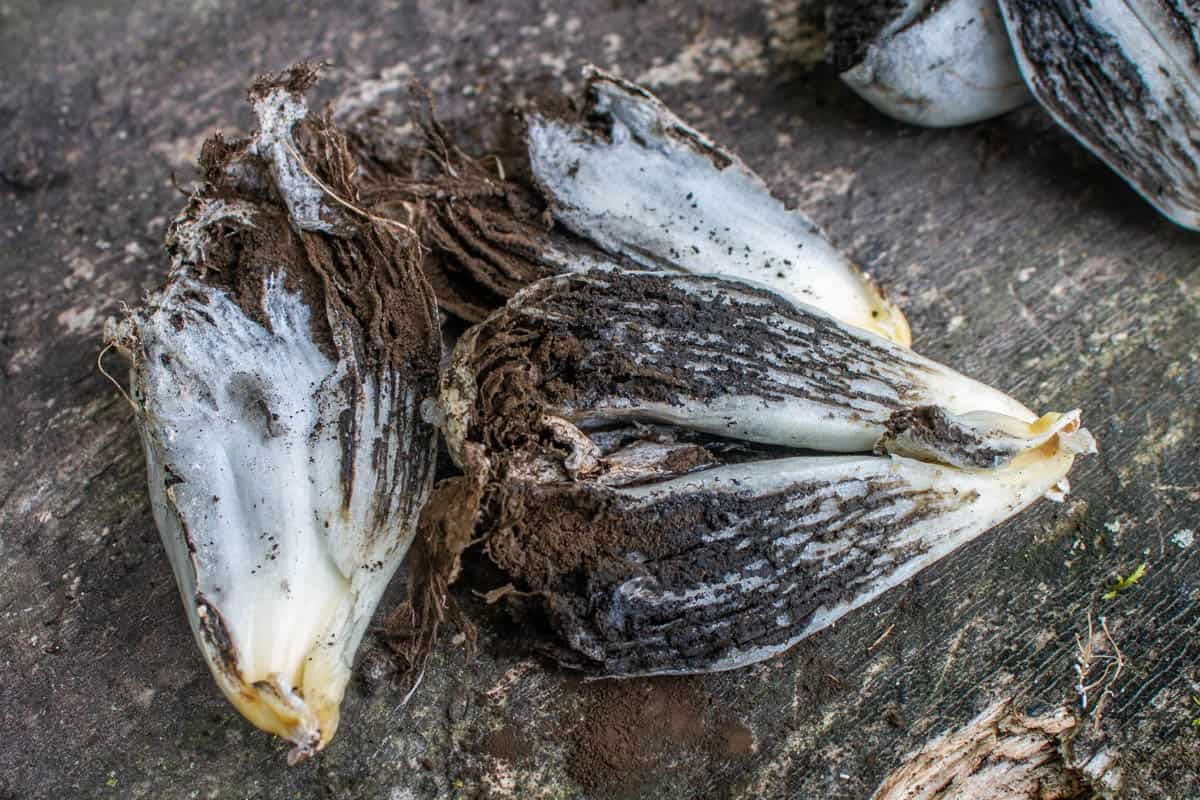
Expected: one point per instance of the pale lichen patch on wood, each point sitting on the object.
(705, 59)
(796, 32)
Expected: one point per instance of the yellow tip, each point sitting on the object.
(275, 706)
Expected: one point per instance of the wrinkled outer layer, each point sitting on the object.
(483, 226)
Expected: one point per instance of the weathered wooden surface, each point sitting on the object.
(1019, 259)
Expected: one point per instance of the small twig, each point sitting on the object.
(1031, 318)
(1085, 655)
(416, 683)
(112, 380)
(882, 636)
(178, 188)
(1083, 663)
(704, 21)
(1107, 691)
(1170, 487)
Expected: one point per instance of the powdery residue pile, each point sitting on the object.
(632, 733)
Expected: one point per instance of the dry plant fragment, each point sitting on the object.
(485, 233)
(1096, 650)
(999, 753)
(277, 379)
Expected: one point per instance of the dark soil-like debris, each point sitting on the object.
(508, 744)
(953, 442)
(634, 733)
(433, 564)
(853, 26)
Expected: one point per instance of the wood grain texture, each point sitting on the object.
(1019, 259)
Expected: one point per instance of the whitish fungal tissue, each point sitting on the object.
(276, 381)
(927, 63)
(630, 176)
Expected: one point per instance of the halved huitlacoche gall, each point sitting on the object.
(1123, 76)
(630, 176)
(631, 186)
(638, 435)
(927, 62)
(277, 380)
